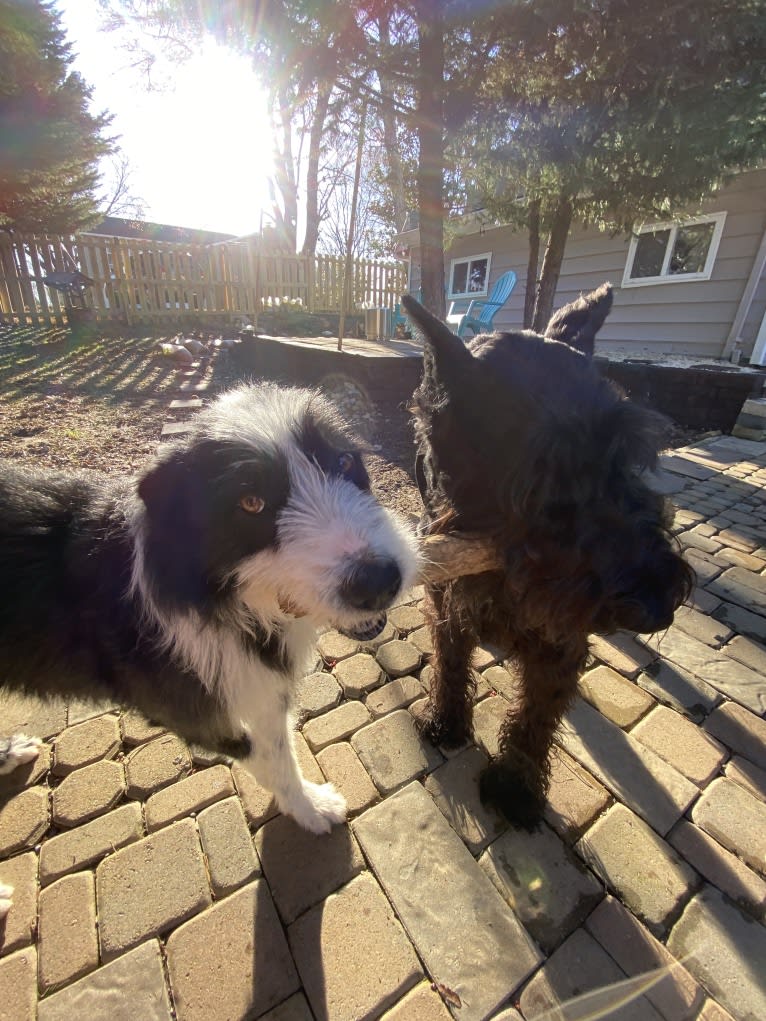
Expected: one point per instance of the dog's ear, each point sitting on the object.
(634, 435)
(174, 534)
(577, 324)
(447, 349)
(169, 490)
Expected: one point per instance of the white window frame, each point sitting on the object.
(469, 259)
(673, 226)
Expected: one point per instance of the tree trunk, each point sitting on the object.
(286, 213)
(530, 294)
(345, 294)
(388, 117)
(430, 121)
(312, 169)
(554, 256)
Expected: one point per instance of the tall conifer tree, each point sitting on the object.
(50, 141)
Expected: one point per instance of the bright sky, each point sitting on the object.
(201, 149)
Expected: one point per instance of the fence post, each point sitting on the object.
(311, 275)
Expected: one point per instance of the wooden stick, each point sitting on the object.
(446, 557)
(443, 558)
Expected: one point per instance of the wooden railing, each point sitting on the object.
(137, 280)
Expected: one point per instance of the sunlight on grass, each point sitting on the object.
(45, 360)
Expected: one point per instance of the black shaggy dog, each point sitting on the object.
(521, 440)
(194, 592)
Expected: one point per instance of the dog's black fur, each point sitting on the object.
(68, 624)
(522, 440)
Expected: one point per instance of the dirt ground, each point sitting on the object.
(99, 403)
(93, 403)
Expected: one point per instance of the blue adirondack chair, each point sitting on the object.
(481, 311)
(400, 316)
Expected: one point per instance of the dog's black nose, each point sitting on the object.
(372, 584)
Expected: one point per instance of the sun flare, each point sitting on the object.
(200, 147)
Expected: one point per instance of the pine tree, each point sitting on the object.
(50, 142)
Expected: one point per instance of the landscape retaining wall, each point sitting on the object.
(385, 379)
(702, 397)
(698, 397)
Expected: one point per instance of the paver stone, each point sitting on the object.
(67, 940)
(87, 742)
(25, 714)
(724, 949)
(149, 887)
(155, 764)
(27, 774)
(687, 748)
(393, 752)
(336, 725)
(720, 867)
(633, 773)
(358, 674)
(80, 847)
(422, 1003)
(736, 819)
(88, 792)
(580, 966)
(679, 689)
(331, 945)
(303, 868)
(454, 787)
(128, 989)
(18, 986)
(190, 795)
(341, 765)
(17, 928)
(740, 730)
(617, 698)
(463, 930)
(231, 858)
(544, 883)
(395, 695)
(398, 658)
(731, 678)
(23, 820)
(674, 993)
(316, 693)
(232, 961)
(575, 797)
(646, 873)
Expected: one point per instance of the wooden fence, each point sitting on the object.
(137, 280)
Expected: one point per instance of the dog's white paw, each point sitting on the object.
(318, 807)
(6, 894)
(16, 750)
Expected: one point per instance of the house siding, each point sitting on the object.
(692, 317)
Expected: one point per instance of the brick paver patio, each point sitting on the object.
(153, 882)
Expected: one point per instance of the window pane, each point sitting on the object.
(478, 280)
(650, 253)
(691, 248)
(459, 278)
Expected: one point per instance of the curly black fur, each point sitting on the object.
(520, 438)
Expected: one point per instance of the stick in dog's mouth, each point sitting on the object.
(442, 558)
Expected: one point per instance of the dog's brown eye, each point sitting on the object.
(345, 463)
(251, 503)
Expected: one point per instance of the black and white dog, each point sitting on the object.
(195, 594)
